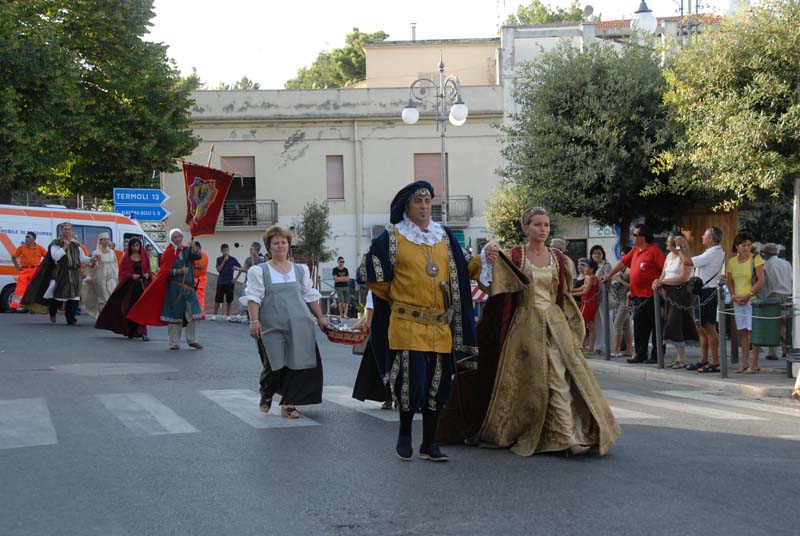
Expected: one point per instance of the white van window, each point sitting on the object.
(87, 235)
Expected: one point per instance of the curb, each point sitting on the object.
(718, 384)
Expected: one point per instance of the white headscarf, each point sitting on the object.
(172, 232)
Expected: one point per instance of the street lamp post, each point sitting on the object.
(442, 95)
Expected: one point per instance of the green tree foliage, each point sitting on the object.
(86, 104)
(244, 84)
(537, 12)
(313, 230)
(41, 105)
(340, 67)
(504, 210)
(587, 129)
(734, 98)
(770, 219)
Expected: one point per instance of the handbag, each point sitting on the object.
(694, 284)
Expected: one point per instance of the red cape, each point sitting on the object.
(147, 311)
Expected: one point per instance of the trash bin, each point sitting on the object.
(766, 322)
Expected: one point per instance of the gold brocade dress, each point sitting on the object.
(545, 397)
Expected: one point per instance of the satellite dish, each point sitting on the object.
(587, 12)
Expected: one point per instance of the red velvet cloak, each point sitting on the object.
(147, 311)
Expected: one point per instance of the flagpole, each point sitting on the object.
(210, 154)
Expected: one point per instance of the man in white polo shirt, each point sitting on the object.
(779, 285)
(709, 267)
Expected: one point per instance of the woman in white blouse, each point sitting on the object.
(281, 300)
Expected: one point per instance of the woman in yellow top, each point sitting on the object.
(745, 274)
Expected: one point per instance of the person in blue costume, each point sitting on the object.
(171, 299)
(423, 320)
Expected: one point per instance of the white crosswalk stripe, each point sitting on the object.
(680, 407)
(706, 397)
(243, 403)
(628, 414)
(143, 414)
(342, 396)
(25, 422)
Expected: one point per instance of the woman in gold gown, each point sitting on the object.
(533, 390)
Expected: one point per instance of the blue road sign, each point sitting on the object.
(139, 196)
(143, 212)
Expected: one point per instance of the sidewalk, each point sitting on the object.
(770, 382)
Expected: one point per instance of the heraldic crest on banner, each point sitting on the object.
(201, 194)
(206, 190)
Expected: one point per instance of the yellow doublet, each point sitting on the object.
(413, 286)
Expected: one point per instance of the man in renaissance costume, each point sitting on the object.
(57, 281)
(171, 299)
(423, 321)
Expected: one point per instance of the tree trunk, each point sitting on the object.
(624, 233)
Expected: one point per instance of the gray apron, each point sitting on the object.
(287, 326)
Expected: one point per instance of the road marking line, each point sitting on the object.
(25, 422)
(621, 413)
(113, 369)
(705, 397)
(144, 414)
(243, 404)
(343, 396)
(680, 407)
(790, 437)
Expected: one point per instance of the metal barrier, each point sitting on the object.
(722, 322)
(605, 311)
(659, 333)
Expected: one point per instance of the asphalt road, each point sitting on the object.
(104, 436)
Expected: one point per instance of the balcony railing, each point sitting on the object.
(459, 211)
(238, 214)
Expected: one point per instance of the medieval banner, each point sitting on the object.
(206, 190)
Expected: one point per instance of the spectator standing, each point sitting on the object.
(254, 259)
(588, 293)
(598, 255)
(709, 267)
(341, 284)
(645, 261)
(778, 274)
(225, 285)
(620, 287)
(679, 326)
(745, 277)
(201, 277)
(26, 259)
(153, 257)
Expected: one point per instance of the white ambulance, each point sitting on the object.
(16, 221)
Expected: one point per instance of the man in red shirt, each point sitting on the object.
(26, 258)
(645, 260)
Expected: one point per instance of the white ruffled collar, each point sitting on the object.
(412, 232)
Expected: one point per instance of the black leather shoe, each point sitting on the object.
(52, 319)
(432, 453)
(634, 360)
(404, 449)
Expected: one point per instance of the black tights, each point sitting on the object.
(70, 309)
(429, 419)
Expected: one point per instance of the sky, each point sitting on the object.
(268, 40)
